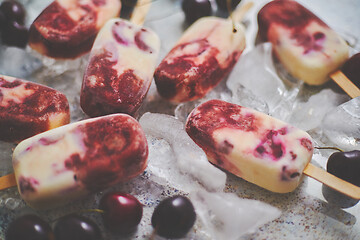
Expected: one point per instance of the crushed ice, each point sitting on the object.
(226, 216)
(190, 159)
(172, 153)
(342, 125)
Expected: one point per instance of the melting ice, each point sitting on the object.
(342, 125)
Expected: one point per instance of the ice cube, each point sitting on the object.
(17, 62)
(309, 114)
(256, 72)
(226, 216)
(190, 159)
(342, 125)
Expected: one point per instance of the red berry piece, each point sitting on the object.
(30, 227)
(122, 212)
(173, 217)
(195, 9)
(76, 227)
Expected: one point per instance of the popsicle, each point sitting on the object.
(67, 163)
(120, 70)
(67, 28)
(258, 148)
(28, 108)
(302, 42)
(202, 57)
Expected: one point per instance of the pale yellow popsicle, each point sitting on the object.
(252, 145)
(303, 43)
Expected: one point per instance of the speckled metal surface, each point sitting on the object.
(312, 211)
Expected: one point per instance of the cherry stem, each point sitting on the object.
(82, 211)
(332, 148)
(92, 210)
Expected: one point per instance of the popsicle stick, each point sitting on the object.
(139, 13)
(238, 14)
(7, 181)
(351, 89)
(332, 181)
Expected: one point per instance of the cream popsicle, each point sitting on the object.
(67, 28)
(252, 145)
(28, 108)
(71, 161)
(202, 57)
(120, 70)
(303, 43)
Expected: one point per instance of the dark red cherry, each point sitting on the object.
(13, 11)
(76, 227)
(129, 3)
(173, 217)
(352, 70)
(222, 4)
(2, 21)
(195, 9)
(122, 212)
(345, 165)
(29, 227)
(14, 34)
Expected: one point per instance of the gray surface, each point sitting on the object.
(306, 214)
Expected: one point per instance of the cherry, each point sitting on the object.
(345, 165)
(14, 34)
(12, 15)
(122, 212)
(195, 9)
(76, 227)
(30, 227)
(173, 217)
(222, 4)
(129, 3)
(13, 11)
(2, 21)
(351, 69)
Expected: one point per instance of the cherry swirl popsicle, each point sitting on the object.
(250, 144)
(303, 43)
(28, 108)
(69, 162)
(67, 28)
(202, 57)
(258, 148)
(120, 70)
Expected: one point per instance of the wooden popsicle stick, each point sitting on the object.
(332, 181)
(139, 13)
(7, 181)
(238, 14)
(351, 89)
